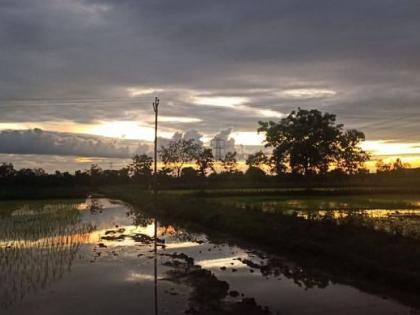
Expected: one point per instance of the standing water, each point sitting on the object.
(98, 257)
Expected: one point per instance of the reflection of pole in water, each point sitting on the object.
(155, 109)
(155, 265)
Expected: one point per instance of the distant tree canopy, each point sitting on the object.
(310, 142)
(258, 159)
(141, 165)
(397, 165)
(7, 170)
(305, 142)
(177, 153)
(229, 163)
(205, 161)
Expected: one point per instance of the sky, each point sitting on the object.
(86, 72)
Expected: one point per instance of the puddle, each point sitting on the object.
(97, 257)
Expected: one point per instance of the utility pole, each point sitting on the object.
(156, 110)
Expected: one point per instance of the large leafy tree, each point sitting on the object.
(309, 141)
(351, 156)
(177, 153)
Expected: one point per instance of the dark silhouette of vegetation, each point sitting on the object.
(308, 150)
(396, 166)
(177, 153)
(26, 181)
(205, 161)
(256, 164)
(258, 160)
(229, 163)
(140, 170)
(310, 142)
(141, 165)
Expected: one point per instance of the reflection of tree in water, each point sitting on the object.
(141, 219)
(400, 223)
(276, 267)
(36, 248)
(176, 233)
(395, 224)
(179, 234)
(94, 205)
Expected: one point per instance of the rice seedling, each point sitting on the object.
(38, 243)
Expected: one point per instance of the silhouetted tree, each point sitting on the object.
(7, 170)
(382, 167)
(95, 172)
(255, 172)
(189, 173)
(397, 165)
(258, 160)
(141, 165)
(178, 153)
(351, 157)
(277, 162)
(205, 161)
(309, 142)
(229, 163)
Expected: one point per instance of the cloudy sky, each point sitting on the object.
(93, 67)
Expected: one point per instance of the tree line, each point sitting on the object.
(305, 144)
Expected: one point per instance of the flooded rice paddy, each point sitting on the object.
(99, 256)
(393, 214)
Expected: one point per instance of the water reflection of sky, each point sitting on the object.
(94, 275)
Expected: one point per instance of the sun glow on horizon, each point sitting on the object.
(388, 148)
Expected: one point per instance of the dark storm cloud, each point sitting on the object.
(56, 143)
(74, 60)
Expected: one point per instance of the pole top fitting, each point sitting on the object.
(156, 104)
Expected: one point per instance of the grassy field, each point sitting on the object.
(7, 207)
(346, 202)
